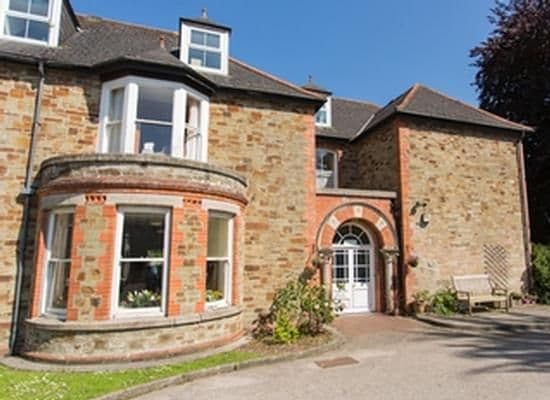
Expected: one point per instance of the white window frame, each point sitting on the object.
(121, 312)
(185, 34)
(335, 154)
(327, 107)
(228, 289)
(131, 85)
(53, 19)
(44, 310)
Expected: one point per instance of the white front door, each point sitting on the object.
(352, 279)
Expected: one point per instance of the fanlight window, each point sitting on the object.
(351, 235)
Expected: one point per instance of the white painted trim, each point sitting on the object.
(140, 199)
(328, 108)
(116, 312)
(215, 205)
(131, 85)
(185, 44)
(204, 120)
(53, 19)
(61, 200)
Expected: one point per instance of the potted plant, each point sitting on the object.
(421, 301)
(412, 260)
(516, 299)
(213, 295)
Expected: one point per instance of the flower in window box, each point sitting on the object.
(213, 295)
(142, 298)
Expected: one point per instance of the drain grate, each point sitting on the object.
(336, 362)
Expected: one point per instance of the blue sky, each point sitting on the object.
(365, 49)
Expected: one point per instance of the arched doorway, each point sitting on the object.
(353, 268)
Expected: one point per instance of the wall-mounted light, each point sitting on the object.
(421, 207)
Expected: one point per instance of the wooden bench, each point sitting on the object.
(475, 289)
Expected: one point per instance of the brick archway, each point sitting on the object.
(382, 229)
(373, 219)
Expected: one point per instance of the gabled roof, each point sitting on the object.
(101, 41)
(423, 101)
(348, 117)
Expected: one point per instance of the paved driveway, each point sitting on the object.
(397, 359)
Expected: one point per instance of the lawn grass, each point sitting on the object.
(26, 385)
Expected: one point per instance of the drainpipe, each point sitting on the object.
(525, 211)
(27, 194)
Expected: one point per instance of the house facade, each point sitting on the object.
(157, 192)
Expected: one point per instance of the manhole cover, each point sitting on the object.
(336, 362)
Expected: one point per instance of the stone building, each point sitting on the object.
(156, 191)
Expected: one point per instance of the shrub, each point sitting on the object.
(541, 272)
(297, 309)
(445, 302)
(285, 332)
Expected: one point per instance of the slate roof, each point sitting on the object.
(312, 86)
(101, 41)
(423, 101)
(348, 117)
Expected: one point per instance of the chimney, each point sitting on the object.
(162, 42)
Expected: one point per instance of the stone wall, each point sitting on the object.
(272, 144)
(139, 340)
(69, 124)
(468, 177)
(374, 160)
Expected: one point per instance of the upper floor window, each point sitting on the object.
(205, 45)
(326, 168)
(205, 50)
(140, 115)
(35, 21)
(324, 115)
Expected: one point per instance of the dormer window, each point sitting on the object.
(204, 50)
(205, 44)
(34, 21)
(323, 116)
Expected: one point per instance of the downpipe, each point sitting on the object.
(27, 193)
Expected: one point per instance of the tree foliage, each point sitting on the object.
(513, 81)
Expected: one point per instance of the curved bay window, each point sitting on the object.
(142, 253)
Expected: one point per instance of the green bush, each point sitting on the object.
(298, 309)
(285, 332)
(541, 272)
(445, 302)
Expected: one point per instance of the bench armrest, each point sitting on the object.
(500, 291)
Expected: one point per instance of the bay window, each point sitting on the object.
(219, 259)
(35, 21)
(142, 259)
(58, 263)
(326, 169)
(140, 115)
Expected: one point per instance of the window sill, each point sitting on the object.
(127, 324)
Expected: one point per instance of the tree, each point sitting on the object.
(513, 81)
